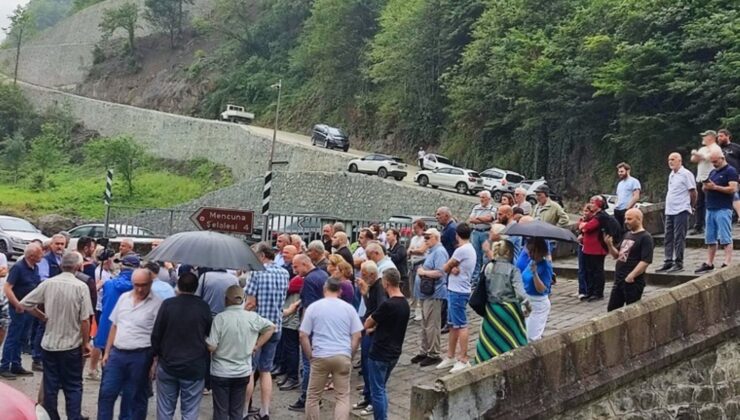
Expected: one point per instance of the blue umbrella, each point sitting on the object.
(539, 229)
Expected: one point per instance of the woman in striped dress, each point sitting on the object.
(503, 327)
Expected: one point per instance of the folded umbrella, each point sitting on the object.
(538, 229)
(206, 249)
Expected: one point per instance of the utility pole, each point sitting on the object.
(268, 175)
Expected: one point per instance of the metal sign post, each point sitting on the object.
(107, 199)
(268, 176)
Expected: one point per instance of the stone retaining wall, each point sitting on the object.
(569, 370)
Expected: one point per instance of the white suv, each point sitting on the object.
(500, 181)
(462, 180)
(382, 165)
(433, 161)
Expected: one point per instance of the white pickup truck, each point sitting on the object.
(237, 114)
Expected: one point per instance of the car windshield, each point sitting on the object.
(18, 225)
(514, 178)
(474, 174)
(397, 159)
(336, 132)
(442, 159)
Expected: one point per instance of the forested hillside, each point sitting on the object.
(561, 88)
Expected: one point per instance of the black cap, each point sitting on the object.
(542, 189)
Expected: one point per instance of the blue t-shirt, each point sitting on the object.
(313, 287)
(722, 177)
(112, 290)
(434, 260)
(23, 278)
(625, 188)
(449, 237)
(544, 270)
(162, 290)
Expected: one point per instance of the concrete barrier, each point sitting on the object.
(569, 369)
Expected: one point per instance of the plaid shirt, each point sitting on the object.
(269, 287)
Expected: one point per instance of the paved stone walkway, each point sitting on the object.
(566, 312)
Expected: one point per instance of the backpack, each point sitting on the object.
(610, 226)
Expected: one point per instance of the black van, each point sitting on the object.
(329, 137)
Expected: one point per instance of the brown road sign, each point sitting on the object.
(224, 220)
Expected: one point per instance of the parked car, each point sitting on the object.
(236, 114)
(141, 237)
(533, 184)
(433, 161)
(16, 233)
(500, 181)
(462, 180)
(329, 137)
(17, 406)
(382, 165)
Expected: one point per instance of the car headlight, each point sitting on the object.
(41, 414)
(18, 240)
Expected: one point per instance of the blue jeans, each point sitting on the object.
(63, 370)
(367, 341)
(169, 388)
(379, 372)
(127, 374)
(477, 238)
(306, 372)
(263, 358)
(582, 285)
(19, 324)
(37, 352)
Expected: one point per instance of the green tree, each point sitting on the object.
(120, 153)
(46, 155)
(16, 113)
(167, 15)
(19, 25)
(14, 153)
(124, 17)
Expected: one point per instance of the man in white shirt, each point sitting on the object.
(128, 355)
(679, 202)
(703, 168)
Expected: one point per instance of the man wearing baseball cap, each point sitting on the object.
(704, 167)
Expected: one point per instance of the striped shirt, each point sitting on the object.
(480, 210)
(66, 303)
(269, 287)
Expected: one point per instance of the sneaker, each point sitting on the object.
(459, 366)
(446, 363)
(723, 265)
(21, 372)
(705, 268)
(93, 375)
(298, 406)
(7, 375)
(289, 385)
(417, 314)
(206, 391)
(667, 266)
(418, 358)
(265, 417)
(582, 296)
(367, 411)
(37, 367)
(428, 361)
(361, 405)
(676, 268)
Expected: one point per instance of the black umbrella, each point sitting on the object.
(538, 229)
(206, 249)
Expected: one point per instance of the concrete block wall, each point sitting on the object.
(568, 370)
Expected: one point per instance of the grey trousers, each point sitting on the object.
(675, 236)
(431, 314)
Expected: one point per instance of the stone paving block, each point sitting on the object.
(583, 348)
(690, 310)
(612, 340)
(552, 353)
(664, 327)
(637, 323)
(714, 301)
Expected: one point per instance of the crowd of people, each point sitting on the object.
(178, 332)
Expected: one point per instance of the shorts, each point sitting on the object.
(262, 360)
(718, 227)
(457, 304)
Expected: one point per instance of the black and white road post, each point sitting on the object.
(107, 199)
(268, 175)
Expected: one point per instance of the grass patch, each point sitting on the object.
(78, 192)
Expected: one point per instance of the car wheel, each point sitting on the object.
(461, 188)
(353, 168)
(423, 181)
(382, 172)
(497, 196)
(398, 178)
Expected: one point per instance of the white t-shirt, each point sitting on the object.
(332, 322)
(704, 167)
(466, 256)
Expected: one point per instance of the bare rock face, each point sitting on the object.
(51, 224)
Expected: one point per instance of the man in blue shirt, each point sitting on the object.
(22, 279)
(432, 270)
(628, 192)
(719, 190)
(112, 290)
(313, 289)
(449, 226)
